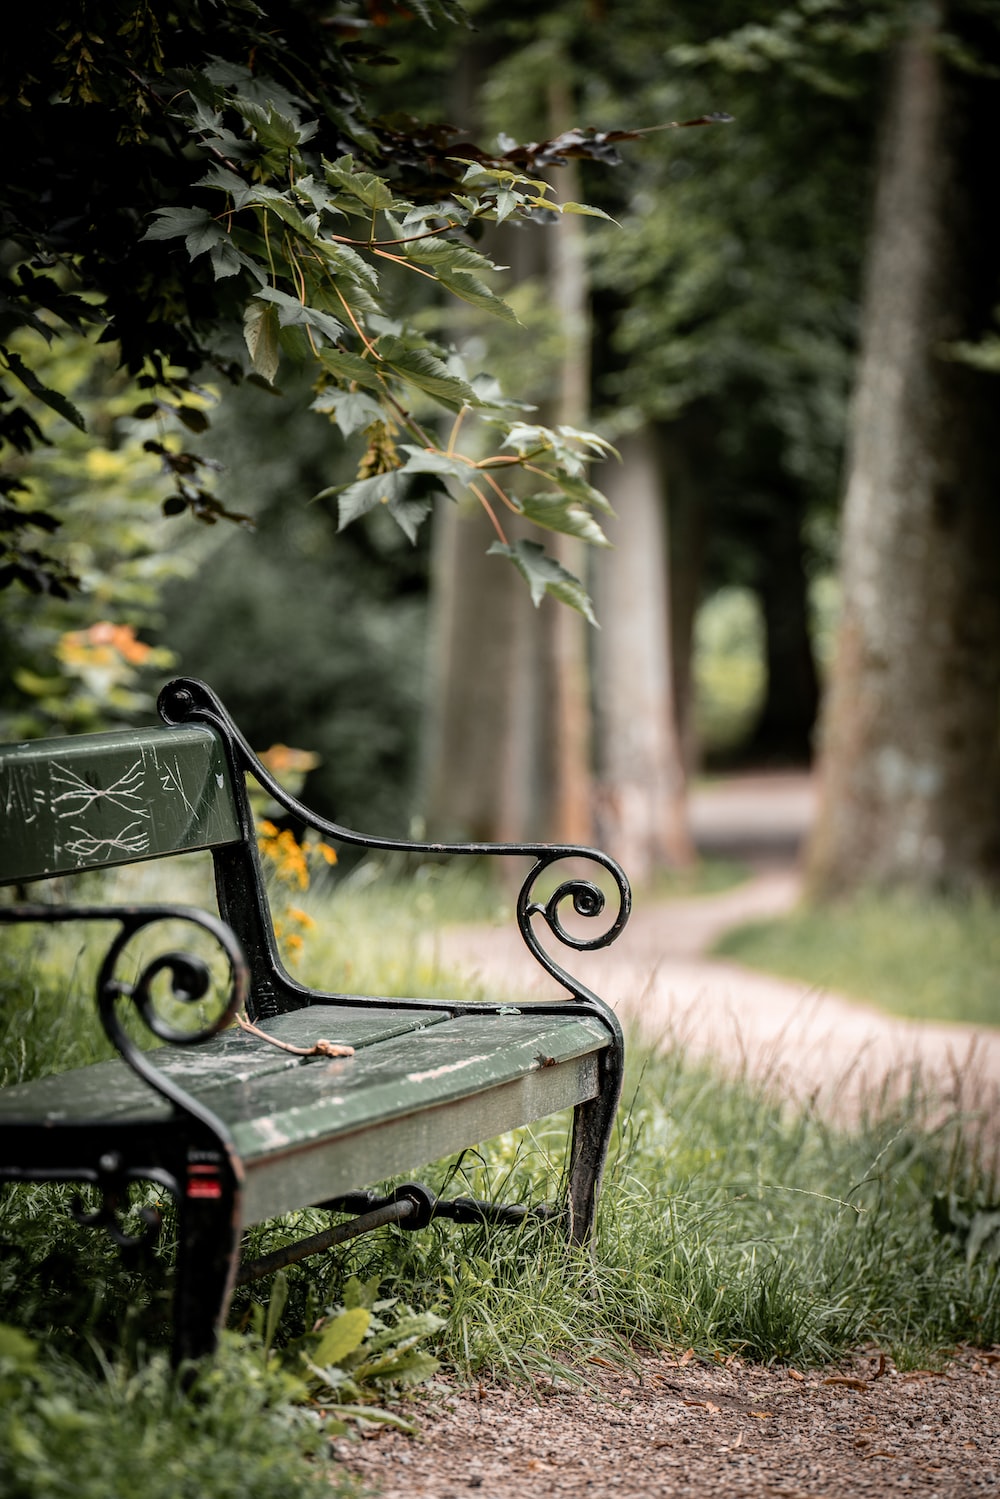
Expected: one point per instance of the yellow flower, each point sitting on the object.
(302, 917)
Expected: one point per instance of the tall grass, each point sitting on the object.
(728, 1223)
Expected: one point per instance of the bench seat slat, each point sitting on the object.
(434, 1086)
(467, 1055)
(404, 1102)
(106, 1090)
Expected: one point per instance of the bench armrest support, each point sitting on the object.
(188, 700)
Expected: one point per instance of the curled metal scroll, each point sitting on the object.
(588, 900)
(190, 981)
(187, 700)
(107, 1216)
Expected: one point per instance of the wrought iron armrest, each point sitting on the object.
(190, 981)
(188, 700)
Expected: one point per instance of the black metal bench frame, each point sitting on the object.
(187, 1149)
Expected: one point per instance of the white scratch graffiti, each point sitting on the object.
(23, 798)
(18, 798)
(170, 780)
(81, 796)
(127, 842)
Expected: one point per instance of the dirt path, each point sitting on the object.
(809, 1042)
(670, 1430)
(674, 1429)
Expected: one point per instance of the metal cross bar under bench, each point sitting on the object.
(357, 1089)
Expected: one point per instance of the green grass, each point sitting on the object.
(729, 1221)
(931, 958)
(705, 877)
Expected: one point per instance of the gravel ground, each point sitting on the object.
(676, 1428)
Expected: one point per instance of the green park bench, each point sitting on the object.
(236, 1129)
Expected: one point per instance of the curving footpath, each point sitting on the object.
(810, 1043)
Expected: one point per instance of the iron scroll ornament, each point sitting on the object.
(190, 981)
(188, 700)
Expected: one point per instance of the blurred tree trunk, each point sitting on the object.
(480, 775)
(641, 774)
(910, 753)
(509, 745)
(482, 761)
(569, 746)
(783, 732)
(686, 444)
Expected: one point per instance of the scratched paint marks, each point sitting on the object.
(196, 780)
(172, 781)
(152, 777)
(21, 796)
(74, 796)
(126, 792)
(435, 1072)
(111, 798)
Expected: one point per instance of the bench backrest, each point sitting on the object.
(91, 800)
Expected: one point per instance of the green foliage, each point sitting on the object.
(973, 1226)
(312, 636)
(79, 663)
(119, 1432)
(360, 1352)
(259, 199)
(544, 575)
(728, 668)
(931, 958)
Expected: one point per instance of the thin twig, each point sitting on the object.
(409, 239)
(370, 347)
(501, 492)
(410, 422)
(320, 1048)
(489, 511)
(300, 279)
(456, 425)
(408, 263)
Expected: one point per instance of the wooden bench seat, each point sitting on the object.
(238, 1129)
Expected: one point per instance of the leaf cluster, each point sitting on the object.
(218, 197)
(362, 1351)
(122, 1430)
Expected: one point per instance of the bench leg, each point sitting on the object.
(208, 1241)
(593, 1123)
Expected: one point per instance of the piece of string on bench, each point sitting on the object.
(320, 1048)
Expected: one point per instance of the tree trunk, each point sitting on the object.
(641, 786)
(783, 732)
(910, 759)
(569, 739)
(480, 775)
(510, 737)
(687, 446)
